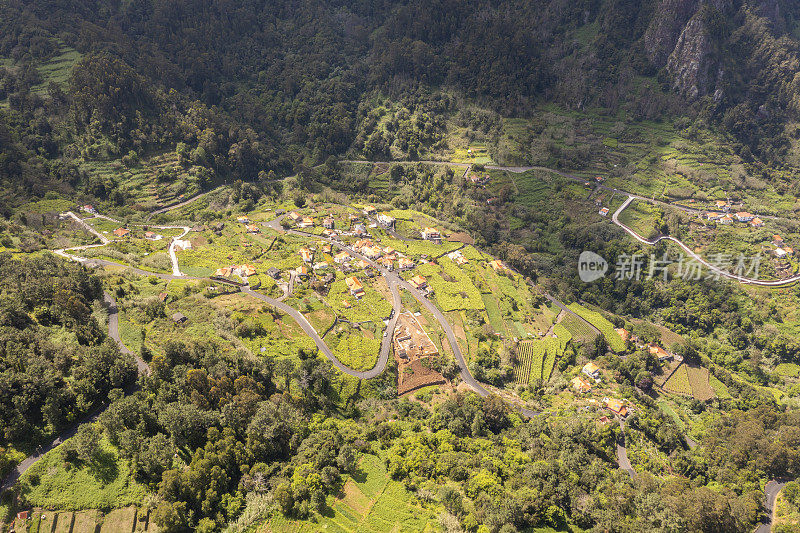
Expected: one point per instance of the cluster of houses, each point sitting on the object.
(583, 385)
(123, 232)
(243, 271)
(782, 250)
(726, 217)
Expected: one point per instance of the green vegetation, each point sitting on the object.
(105, 481)
(370, 502)
(357, 351)
(615, 342)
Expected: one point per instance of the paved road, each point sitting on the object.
(712, 268)
(380, 365)
(393, 278)
(771, 491)
(113, 332)
(143, 369)
(87, 227)
(622, 452)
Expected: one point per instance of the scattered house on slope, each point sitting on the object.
(302, 271)
(179, 318)
(616, 406)
(355, 286)
(242, 220)
(603, 212)
(247, 270)
(660, 352)
(372, 252)
(581, 385)
(328, 223)
(386, 221)
(404, 263)
(359, 230)
(274, 273)
(89, 208)
(295, 216)
(722, 204)
(624, 333)
(320, 265)
(306, 222)
(341, 257)
(151, 236)
(713, 216)
(121, 232)
(431, 234)
(306, 254)
(370, 211)
(744, 216)
(777, 240)
(223, 272)
(591, 370)
(497, 265)
(726, 220)
(757, 222)
(252, 228)
(418, 282)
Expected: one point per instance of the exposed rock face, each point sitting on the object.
(693, 64)
(665, 27)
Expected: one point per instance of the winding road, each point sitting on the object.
(713, 268)
(771, 491)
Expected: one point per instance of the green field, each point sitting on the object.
(105, 483)
(580, 330)
(615, 342)
(357, 351)
(678, 383)
(536, 358)
(371, 503)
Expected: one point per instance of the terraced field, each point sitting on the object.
(373, 503)
(699, 383)
(615, 342)
(536, 358)
(581, 332)
(678, 383)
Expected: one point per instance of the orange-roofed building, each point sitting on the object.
(660, 352)
(346, 304)
(252, 228)
(418, 282)
(223, 272)
(121, 232)
(404, 263)
(306, 255)
(757, 222)
(744, 216)
(341, 257)
(591, 370)
(247, 270)
(355, 286)
(362, 264)
(624, 333)
(431, 234)
(294, 215)
(581, 385)
(497, 265)
(616, 406)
